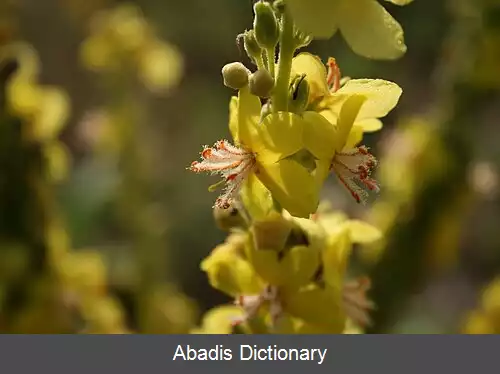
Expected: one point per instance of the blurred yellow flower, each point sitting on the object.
(219, 320)
(486, 318)
(160, 67)
(121, 39)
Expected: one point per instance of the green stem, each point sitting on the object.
(271, 58)
(287, 48)
(260, 63)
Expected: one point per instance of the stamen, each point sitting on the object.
(353, 168)
(356, 304)
(333, 77)
(251, 305)
(233, 163)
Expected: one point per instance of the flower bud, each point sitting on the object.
(235, 75)
(299, 94)
(251, 46)
(265, 25)
(261, 83)
(227, 219)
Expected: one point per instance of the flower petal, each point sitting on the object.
(355, 137)
(319, 135)
(348, 113)
(381, 97)
(292, 186)
(315, 71)
(321, 172)
(219, 320)
(314, 17)
(335, 258)
(400, 2)
(233, 119)
(370, 30)
(230, 273)
(369, 124)
(316, 306)
(294, 270)
(277, 137)
(256, 198)
(244, 116)
(362, 232)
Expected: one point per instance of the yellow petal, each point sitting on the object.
(335, 258)
(230, 273)
(319, 307)
(381, 97)
(320, 174)
(369, 124)
(370, 30)
(314, 17)
(292, 186)
(247, 118)
(400, 2)
(256, 198)
(294, 270)
(331, 221)
(278, 136)
(219, 320)
(319, 135)
(362, 232)
(233, 119)
(355, 137)
(348, 114)
(315, 71)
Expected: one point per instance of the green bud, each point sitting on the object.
(265, 25)
(299, 94)
(251, 46)
(261, 83)
(235, 75)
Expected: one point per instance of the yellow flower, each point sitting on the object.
(350, 111)
(219, 320)
(265, 270)
(293, 270)
(365, 24)
(327, 94)
(263, 157)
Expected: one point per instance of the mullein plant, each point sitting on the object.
(124, 49)
(46, 286)
(294, 121)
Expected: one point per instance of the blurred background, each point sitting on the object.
(105, 103)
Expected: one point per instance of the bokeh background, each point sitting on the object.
(102, 228)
